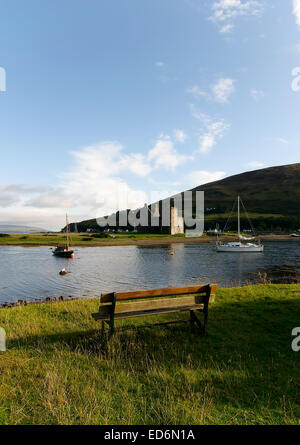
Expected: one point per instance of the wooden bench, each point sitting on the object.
(120, 305)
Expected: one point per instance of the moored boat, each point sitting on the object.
(243, 245)
(239, 247)
(65, 251)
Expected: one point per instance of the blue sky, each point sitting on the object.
(148, 97)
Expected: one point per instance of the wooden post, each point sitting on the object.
(112, 316)
(205, 309)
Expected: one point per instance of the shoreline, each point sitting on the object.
(146, 241)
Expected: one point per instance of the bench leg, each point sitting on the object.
(112, 317)
(191, 320)
(111, 330)
(205, 321)
(202, 327)
(195, 320)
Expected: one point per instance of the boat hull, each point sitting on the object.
(239, 249)
(62, 254)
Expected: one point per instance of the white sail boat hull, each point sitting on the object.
(239, 247)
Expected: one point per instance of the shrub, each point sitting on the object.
(100, 235)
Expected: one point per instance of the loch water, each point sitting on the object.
(33, 272)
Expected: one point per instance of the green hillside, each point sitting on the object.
(274, 190)
(271, 196)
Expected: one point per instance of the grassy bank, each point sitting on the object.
(82, 239)
(86, 239)
(56, 370)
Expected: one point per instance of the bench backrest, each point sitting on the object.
(181, 297)
(169, 291)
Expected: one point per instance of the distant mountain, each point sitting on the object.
(10, 228)
(271, 196)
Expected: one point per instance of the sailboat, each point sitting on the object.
(65, 251)
(243, 245)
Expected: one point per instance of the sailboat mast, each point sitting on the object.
(67, 229)
(239, 223)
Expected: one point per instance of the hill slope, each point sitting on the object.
(271, 196)
(273, 190)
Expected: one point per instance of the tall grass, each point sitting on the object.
(58, 369)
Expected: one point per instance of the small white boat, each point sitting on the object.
(243, 245)
(239, 247)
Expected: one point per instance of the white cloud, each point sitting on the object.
(97, 183)
(278, 140)
(94, 185)
(200, 177)
(135, 163)
(109, 155)
(95, 180)
(255, 164)
(224, 12)
(179, 135)
(257, 94)
(160, 64)
(213, 130)
(220, 91)
(296, 11)
(164, 154)
(227, 29)
(223, 89)
(197, 92)
(197, 114)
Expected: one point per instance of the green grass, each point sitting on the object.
(79, 239)
(57, 370)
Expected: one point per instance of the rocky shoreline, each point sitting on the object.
(27, 302)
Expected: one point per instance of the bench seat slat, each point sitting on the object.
(98, 317)
(108, 297)
(137, 306)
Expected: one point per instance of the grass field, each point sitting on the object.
(57, 370)
(78, 239)
(122, 239)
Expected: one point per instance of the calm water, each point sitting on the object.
(34, 272)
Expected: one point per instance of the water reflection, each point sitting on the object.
(34, 272)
